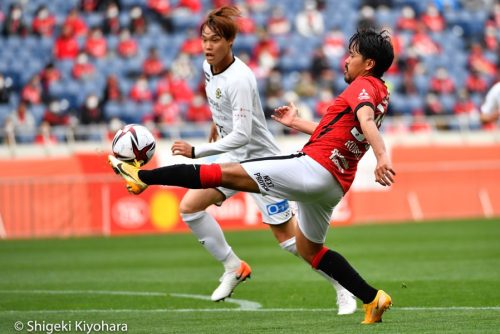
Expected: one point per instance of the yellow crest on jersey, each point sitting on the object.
(218, 93)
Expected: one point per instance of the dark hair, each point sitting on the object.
(221, 22)
(374, 45)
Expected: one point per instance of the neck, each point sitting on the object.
(223, 64)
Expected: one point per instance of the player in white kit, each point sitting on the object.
(240, 125)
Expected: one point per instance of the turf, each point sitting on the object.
(444, 277)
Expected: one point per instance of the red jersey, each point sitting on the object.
(338, 142)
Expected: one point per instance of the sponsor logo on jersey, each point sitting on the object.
(279, 207)
(218, 93)
(264, 181)
(339, 160)
(363, 95)
(354, 149)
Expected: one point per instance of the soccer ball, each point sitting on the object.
(134, 144)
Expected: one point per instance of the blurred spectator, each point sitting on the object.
(319, 63)
(188, 7)
(183, 67)
(407, 20)
(309, 22)
(138, 23)
(464, 104)
(478, 61)
(305, 87)
(180, 89)
(433, 106)
(257, 6)
(89, 6)
(96, 45)
(14, 24)
(82, 68)
(140, 91)
(334, 43)
(378, 3)
(112, 91)
(91, 111)
(45, 135)
(265, 53)
(192, 44)
(366, 18)
(162, 12)
(327, 79)
(111, 23)
(326, 99)
(66, 45)
(246, 23)
(32, 91)
(475, 83)
(153, 65)
(198, 110)
(419, 122)
(432, 19)
(5, 89)
(55, 115)
(76, 23)
(127, 46)
(491, 38)
(441, 83)
(423, 43)
(48, 75)
(20, 124)
(274, 84)
(43, 23)
(277, 23)
(166, 110)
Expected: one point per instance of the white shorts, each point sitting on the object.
(299, 178)
(274, 210)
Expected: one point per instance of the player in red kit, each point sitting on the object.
(326, 165)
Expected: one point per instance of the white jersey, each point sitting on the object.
(492, 101)
(237, 112)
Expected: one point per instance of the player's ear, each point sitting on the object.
(369, 64)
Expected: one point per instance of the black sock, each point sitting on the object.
(336, 266)
(187, 176)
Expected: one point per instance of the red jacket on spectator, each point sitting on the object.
(76, 23)
(165, 110)
(152, 66)
(32, 92)
(127, 46)
(82, 69)
(140, 91)
(194, 6)
(198, 110)
(192, 44)
(161, 7)
(43, 24)
(96, 45)
(66, 45)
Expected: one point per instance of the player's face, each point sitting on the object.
(355, 65)
(217, 49)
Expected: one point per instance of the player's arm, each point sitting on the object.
(288, 116)
(384, 173)
(181, 147)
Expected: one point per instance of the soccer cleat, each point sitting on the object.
(129, 173)
(345, 301)
(375, 309)
(230, 280)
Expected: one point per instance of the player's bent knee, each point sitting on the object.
(192, 216)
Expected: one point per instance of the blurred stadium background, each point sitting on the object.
(74, 71)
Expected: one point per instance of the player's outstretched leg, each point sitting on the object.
(129, 173)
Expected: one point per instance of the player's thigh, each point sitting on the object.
(196, 200)
(314, 220)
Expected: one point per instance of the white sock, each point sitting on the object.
(210, 235)
(290, 246)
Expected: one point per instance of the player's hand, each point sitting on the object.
(285, 114)
(384, 173)
(183, 148)
(213, 134)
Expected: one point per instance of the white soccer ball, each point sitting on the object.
(134, 144)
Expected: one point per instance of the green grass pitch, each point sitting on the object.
(444, 277)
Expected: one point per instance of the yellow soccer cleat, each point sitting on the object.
(129, 173)
(375, 309)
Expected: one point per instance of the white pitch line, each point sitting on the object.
(263, 310)
(244, 304)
